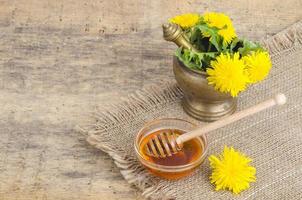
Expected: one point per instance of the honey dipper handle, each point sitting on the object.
(279, 99)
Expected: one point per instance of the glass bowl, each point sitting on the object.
(166, 171)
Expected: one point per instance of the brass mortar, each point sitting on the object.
(201, 100)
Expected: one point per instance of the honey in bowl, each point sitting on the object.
(190, 156)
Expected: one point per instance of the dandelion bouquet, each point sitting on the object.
(231, 63)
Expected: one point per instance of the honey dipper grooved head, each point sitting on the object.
(163, 144)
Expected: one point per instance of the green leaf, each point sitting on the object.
(194, 60)
(233, 44)
(213, 32)
(248, 47)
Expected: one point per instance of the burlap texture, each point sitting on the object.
(273, 138)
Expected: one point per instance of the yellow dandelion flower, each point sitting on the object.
(185, 20)
(222, 22)
(232, 171)
(228, 34)
(258, 65)
(227, 74)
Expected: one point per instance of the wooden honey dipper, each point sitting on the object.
(168, 143)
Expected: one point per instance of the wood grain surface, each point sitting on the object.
(60, 60)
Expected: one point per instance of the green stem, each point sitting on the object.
(210, 46)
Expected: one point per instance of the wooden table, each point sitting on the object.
(62, 60)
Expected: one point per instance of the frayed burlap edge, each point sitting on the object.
(151, 96)
(284, 40)
(137, 103)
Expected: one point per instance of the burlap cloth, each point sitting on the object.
(272, 138)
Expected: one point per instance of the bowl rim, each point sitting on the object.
(164, 168)
(182, 65)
